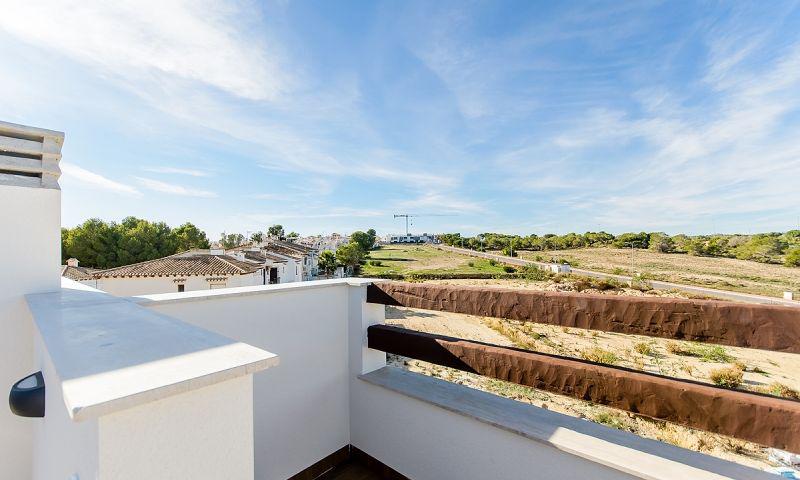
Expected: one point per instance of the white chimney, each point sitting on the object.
(30, 202)
(72, 262)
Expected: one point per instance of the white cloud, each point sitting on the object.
(150, 40)
(178, 171)
(73, 172)
(442, 203)
(174, 189)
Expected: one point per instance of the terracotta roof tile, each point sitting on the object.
(182, 265)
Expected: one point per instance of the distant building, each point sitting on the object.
(74, 272)
(410, 238)
(558, 268)
(182, 272)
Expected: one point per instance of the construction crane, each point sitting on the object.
(406, 216)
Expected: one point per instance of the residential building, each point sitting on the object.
(73, 271)
(411, 238)
(182, 272)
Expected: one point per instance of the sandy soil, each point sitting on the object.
(723, 273)
(761, 369)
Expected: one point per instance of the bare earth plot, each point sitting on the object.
(721, 273)
(761, 370)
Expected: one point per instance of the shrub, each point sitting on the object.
(492, 262)
(610, 420)
(792, 258)
(532, 272)
(643, 348)
(780, 390)
(728, 377)
(509, 269)
(675, 348)
(714, 353)
(375, 263)
(599, 355)
(471, 264)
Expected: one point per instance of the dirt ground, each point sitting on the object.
(714, 272)
(760, 369)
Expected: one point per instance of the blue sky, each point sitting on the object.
(520, 117)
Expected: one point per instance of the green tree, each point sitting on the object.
(293, 236)
(363, 240)
(231, 240)
(661, 242)
(765, 247)
(276, 231)
(350, 255)
(792, 258)
(139, 240)
(93, 243)
(327, 261)
(257, 237)
(188, 236)
(632, 240)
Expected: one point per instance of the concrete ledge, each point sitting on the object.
(199, 295)
(111, 354)
(623, 451)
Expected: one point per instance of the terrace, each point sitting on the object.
(291, 381)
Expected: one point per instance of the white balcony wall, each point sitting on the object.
(29, 258)
(301, 407)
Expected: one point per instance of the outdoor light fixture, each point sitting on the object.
(27, 396)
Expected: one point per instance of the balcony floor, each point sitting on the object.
(352, 471)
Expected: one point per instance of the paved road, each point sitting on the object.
(656, 284)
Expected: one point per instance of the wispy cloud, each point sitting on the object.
(178, 171)
(150, 40)
(94, 180)
(439, 203)
(174, 189)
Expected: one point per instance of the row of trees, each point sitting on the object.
(773, 247)
(100, 244)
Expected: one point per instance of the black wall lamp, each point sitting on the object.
(27, 396)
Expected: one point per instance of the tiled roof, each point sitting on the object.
(262, 257)
(293, 246)
(182, 265)
(77, 273)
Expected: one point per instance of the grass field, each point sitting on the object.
(409, 259)
(721, 273)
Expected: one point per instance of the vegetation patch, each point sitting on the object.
(728, 377)
(599, 355)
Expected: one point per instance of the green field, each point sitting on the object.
(413, 259)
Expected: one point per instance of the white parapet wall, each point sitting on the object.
(30, 215)
(134, 394)
(301, 408)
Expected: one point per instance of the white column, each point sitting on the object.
(30, 255)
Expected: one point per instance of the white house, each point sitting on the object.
(307, 257)
(558, 268)
(182, 272)
(410, 238)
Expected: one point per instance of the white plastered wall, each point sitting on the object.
(205, 434)
(301, 407)
(131, 286)
(29, 257)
